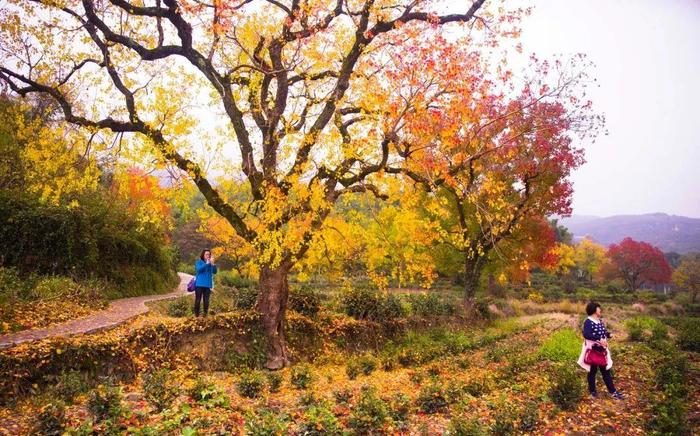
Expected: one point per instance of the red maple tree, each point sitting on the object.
(638, 263)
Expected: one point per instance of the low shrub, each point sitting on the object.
(461, 426)
(668, 417)
(432, 398)
(365, 365)
(566, 389)
(342, 396)
(365, 303)
(201, 390)
(233, 280)
(529, 418)
(266, 423)
(274, 381)
(245, 298)
(301, 376)
(504, 420)
(105, 403)
(430, 304)
(250, 384)
(479, 386)
(180, 307)
(305, 301)
(159, 390)
(69, 384)
(689, 335)
(399, 407)
(318, 420)
(50, 420)
(562, 346)
(370, 413)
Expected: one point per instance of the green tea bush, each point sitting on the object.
(233, 280)
(689, 335)
(69, 384)
(305, 301)
(399, 407)
(301, 376)
(180, 307)
(461, 426)
(562, 346)
(245, 298)
(266, 423)
(365, 303)
(432, 398)
(566, 389)
(51, 419)
(318, 420)
(250, 384)
(105, 403)
(342, 396)
(159, 389)
(504, 420)
(370, 414)
(81, 241)
(429, 305)
(274, 381)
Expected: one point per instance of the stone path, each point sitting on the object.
(118, 312)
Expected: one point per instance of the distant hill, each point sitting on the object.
(668, 232)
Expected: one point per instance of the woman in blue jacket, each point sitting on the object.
(204, 280)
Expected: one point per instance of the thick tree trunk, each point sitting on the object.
(272, 304)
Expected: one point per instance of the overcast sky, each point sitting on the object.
(647, 56)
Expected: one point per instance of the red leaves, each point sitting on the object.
(639, 262)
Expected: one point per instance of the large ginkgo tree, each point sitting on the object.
(306, 99)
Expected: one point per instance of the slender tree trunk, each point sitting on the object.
(472, 277)
(272, 304)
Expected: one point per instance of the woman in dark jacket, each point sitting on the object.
(595, 333)
(204, 280)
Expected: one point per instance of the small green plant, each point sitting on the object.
(461, 426)
(301, 376)
(352, 369)
(250, 384)
(207, 393)
(361, 365)
(274, 381)
(305, 301)
(659, 332)
(399, 407)
(266, 423)
(342, 396)
(432, 398)
(479, 386)
(69, 384)
(180, 307)
(668, 417)
(566, 389)
(307, 399)
(370, 413)
(105, 402)
(529, 418)
(317, 421)
(51, 419)
(245, 298)
(159, 389)
(504, 421)
(689, 335)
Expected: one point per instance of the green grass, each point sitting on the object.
(563, 345)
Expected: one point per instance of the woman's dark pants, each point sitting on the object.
(607, 378)
(200, 292)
